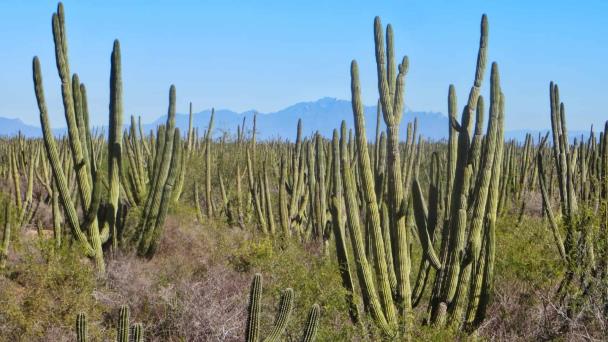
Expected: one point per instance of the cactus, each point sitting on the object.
(115, 139)
(465, 209)
(282, 317)
(155, 233)
(6, 237)
(208, 139)
(312, 324)
(124, 331)
(81, 327)
(197, 205)
(337, 211)
(578, 247)
(81, 148)
(391, 89)
(147, 233)
(252, 333)
(137, 332)
(123, 324)
(371, 201)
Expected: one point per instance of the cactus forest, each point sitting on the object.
(126, 233)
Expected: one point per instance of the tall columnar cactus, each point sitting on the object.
(115, 139)
(371, 201)
(81, 328)
(124, 331)
(367, 283)
(92, 247)
(337, 212)
(197, 204)
(137, 332)
(255, 195)
(282, 317)
(321, 189)
(146, 236)
(208, 139)
(283, 208)
(81, 149)
(167, 193)
(580, 245)
(6, 237)
(268, 202)
(252, 333)
(464, 209)
(312, 324)
(123, 324)
(391, 87)
(458, 186)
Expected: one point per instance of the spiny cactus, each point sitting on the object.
(252, 333)
(581, 249)
(282, 317)
(123, 324)
(465, 260)
(81, 328)
(124, 331)
(81, 147)
(6, 237)
(208, 139)
(312, 324)
(115, 140)
(136, 332)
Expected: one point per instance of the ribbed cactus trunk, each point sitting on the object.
(252, 334)
(6, 237)
(208, 139)
(115, 140)
(371, 202)
(366, 280)
(337, 211)
(391, 88)
(283, 208)
(162, 163)
(81, 328)
(458, 188)
(123, 324)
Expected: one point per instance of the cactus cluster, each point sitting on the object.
(581, 170)
(462, 203)
(252, 333)
(104, 192)
(125, 332)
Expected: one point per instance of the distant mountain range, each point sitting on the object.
(322, 115)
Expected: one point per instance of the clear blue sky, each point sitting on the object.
(266, 55)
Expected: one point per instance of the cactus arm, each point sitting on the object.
(252, 333)
(165, 199)
(6, 237)
(421, 223)
(123, 324)
(312, 324)
(547, 205)
(81, 328)
(367, 283)
(370, 199)
(337, 212)
(53, 156)
(282, 317)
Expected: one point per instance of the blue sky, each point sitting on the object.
(266, 55)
